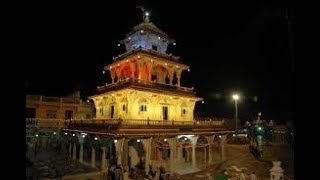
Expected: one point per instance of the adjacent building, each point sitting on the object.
(69, 107)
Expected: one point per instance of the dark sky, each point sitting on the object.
(230, 46)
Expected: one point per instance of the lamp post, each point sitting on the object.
(236, 97)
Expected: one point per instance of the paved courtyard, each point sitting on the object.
(50, 165)
(239, 158)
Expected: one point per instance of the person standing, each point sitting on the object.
(253, 176)
(242, 176)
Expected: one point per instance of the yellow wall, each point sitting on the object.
(135, 98)
(80, 110)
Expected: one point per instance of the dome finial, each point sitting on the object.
(146, 14)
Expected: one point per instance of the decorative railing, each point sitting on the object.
(146, 84)
(65, 100)
(170, 56)
(61, 123)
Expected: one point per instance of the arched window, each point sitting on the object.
(143, 108)
(124, 105)
(184, 109)
(143, 105)
(184, 112)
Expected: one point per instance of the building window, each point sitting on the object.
(101, 110)
(183, 112)
(124, 107)
(68, 114)
(87, 116)
(51, 114)
(143, 108)
(31, 113)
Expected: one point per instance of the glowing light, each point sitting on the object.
(54, 133)
(118, 44)
(151, 60)
(110, 67)
(235, 97)
(83, 135)
(174, 44)
(96, 138)
(138, 140)
(115, 141)
(112, 94)
(118, 64)
(202, 102)
(165, 64)
(103, 72)
(129, 38)
(73, 135)
(259, 128)
(142, 31)
(88, 100)
(189, 70)
(165, 139)
(127, 60)
(37, 135)
(159, 37)
(185, 138)
(233, 135)
(138, 56)
(65, 133)
(147, 14)
(177, 66)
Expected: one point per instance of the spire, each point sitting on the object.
(145, 13)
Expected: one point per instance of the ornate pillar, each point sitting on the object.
(210, 142)
(74, 153)
(222, 143)
(119, 150)
(205, 154)
(70, 149)
(149, 66)
(81, 153)
(178, 75)
(171, 73)
(118, 73)
(93, 157)
(179, 154)
(132, 66)
(147, 145)
(139, 69)
(112, 73)
(159, 155)
(81, 141)
(103, 158)
(172, 144)
(194, 144)
(104, 144)
(125, 154)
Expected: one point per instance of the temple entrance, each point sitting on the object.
(165, 112)
(112, 112)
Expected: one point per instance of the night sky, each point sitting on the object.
(230, 47)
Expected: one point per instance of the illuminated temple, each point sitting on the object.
(146, 81)
(144, 115)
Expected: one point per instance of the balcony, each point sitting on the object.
(118, 124)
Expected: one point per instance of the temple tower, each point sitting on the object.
(146, 80)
